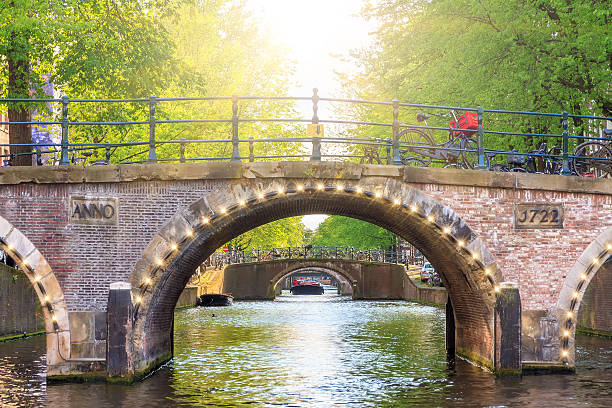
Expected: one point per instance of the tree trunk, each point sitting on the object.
(18, 87)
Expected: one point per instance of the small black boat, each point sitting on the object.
(215, 300)
(307, 289)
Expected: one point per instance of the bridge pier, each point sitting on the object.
(508, 330)
(119, 368)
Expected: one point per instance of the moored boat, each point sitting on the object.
(307, 288)
(215, 300)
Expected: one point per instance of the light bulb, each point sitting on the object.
(460, 243)
(339, 187)
(320, 187)
(378, 194)
(396, 202)
(148, 281)
(446, 230)
(413, 208)
(205, 220)
(242, 203)
(430, 218)
(260, 196)
(300, 187)
(359, 190)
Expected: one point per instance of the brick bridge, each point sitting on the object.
(77, 230)
(368, 280)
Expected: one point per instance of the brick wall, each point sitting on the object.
(20, 311)
(86, 258)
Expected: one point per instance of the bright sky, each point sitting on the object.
(315, 31)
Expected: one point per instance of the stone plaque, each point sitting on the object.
(93, 210)
(538, 215)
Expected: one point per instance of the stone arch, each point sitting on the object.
(573, 289)
(311, 264)
(47, 288)
(467, 267)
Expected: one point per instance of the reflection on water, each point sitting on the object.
(311, 351)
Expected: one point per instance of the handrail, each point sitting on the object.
(221, 258)
(396, 144)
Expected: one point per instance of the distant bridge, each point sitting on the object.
(394, 255)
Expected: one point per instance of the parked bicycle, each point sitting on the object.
(594, 158)
(458, 151)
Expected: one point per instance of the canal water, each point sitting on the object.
(311, 351)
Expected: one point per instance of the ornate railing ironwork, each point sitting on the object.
(404, 144)
(401, 256)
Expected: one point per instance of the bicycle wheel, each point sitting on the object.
(469, 159)
(416, 138)
(594, 165)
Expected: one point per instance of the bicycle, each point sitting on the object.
(458, 151)
(594, 158)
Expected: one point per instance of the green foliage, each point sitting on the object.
(345, 231)
(287, 232)
(545, 55)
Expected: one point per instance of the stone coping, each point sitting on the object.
(299, 170)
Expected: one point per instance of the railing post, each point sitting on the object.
(64, 159)
(565, 169)
(235, 140)
(152, 153)
(396, 130)
(316, 141)
(182, 158)
(251, 150)
(482, 164)
(389, 147)
(108, 154)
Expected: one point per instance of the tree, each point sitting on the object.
(89, 48)
(287, 232)
(539, 55)
(345, 231)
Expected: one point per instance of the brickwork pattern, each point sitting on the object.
(87, 258)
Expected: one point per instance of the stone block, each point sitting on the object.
(38, 264)
(82, 327)
(5, 227)
(58, 347)
(21, 245)
(103, 174)
(198, 209)
(100, 349)
(175, 231)
(40, 175)
(82, 350)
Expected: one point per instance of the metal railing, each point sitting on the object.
(394, 146)
(221, 258)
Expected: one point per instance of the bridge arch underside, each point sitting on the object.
(585, 297)
(49, 293)
(465, 265)
(344, 279)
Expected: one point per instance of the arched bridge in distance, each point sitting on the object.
(516, 251)
(363, 273)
